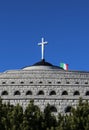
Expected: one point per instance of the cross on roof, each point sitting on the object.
(42, 44)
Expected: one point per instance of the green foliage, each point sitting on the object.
(49, 119)
(16, 117)
(32, 118)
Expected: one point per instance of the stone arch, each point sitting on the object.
(50, 108)
(17, 93)
(64, 93)
(29, 92)
(41, 92)
(4, 93)
(76, 93)
(68, 109)
(22, 82)
(87, 93)
(53, 109)
(52, 92)
(40, 82)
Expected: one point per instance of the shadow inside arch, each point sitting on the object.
(68, 109)
(53, 109)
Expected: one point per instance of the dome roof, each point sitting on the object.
(42, 65)
(42, 62)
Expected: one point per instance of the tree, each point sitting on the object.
(49, 118)
(16, 118)
(32, 117)
(2, 123)
(80, 115)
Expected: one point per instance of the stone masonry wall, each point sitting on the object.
(61, 89)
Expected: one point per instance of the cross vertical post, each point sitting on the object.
(42, 44)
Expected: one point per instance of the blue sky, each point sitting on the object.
(63, 23)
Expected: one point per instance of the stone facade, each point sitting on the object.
(45, 84)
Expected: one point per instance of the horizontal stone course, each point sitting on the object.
(47, 81)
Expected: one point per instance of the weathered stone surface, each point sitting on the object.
(45, 85)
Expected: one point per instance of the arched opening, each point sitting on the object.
(40, 82)
(29, 92)
(53, 109)
(49, 82)
(64, 93)
(87, 93)
(59, 82)
(3, 82)
(76, 93)
(50, 108)
(40, 92)
(76, 82)
(22, 82)
(16, 93)
(86, 82)
(12, 82)
(67, 82)
(31, 82)
(52, 93)
(68, 109)
(4, 93)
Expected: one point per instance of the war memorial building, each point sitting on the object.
(46, 84)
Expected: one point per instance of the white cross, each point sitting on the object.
(42, 45)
